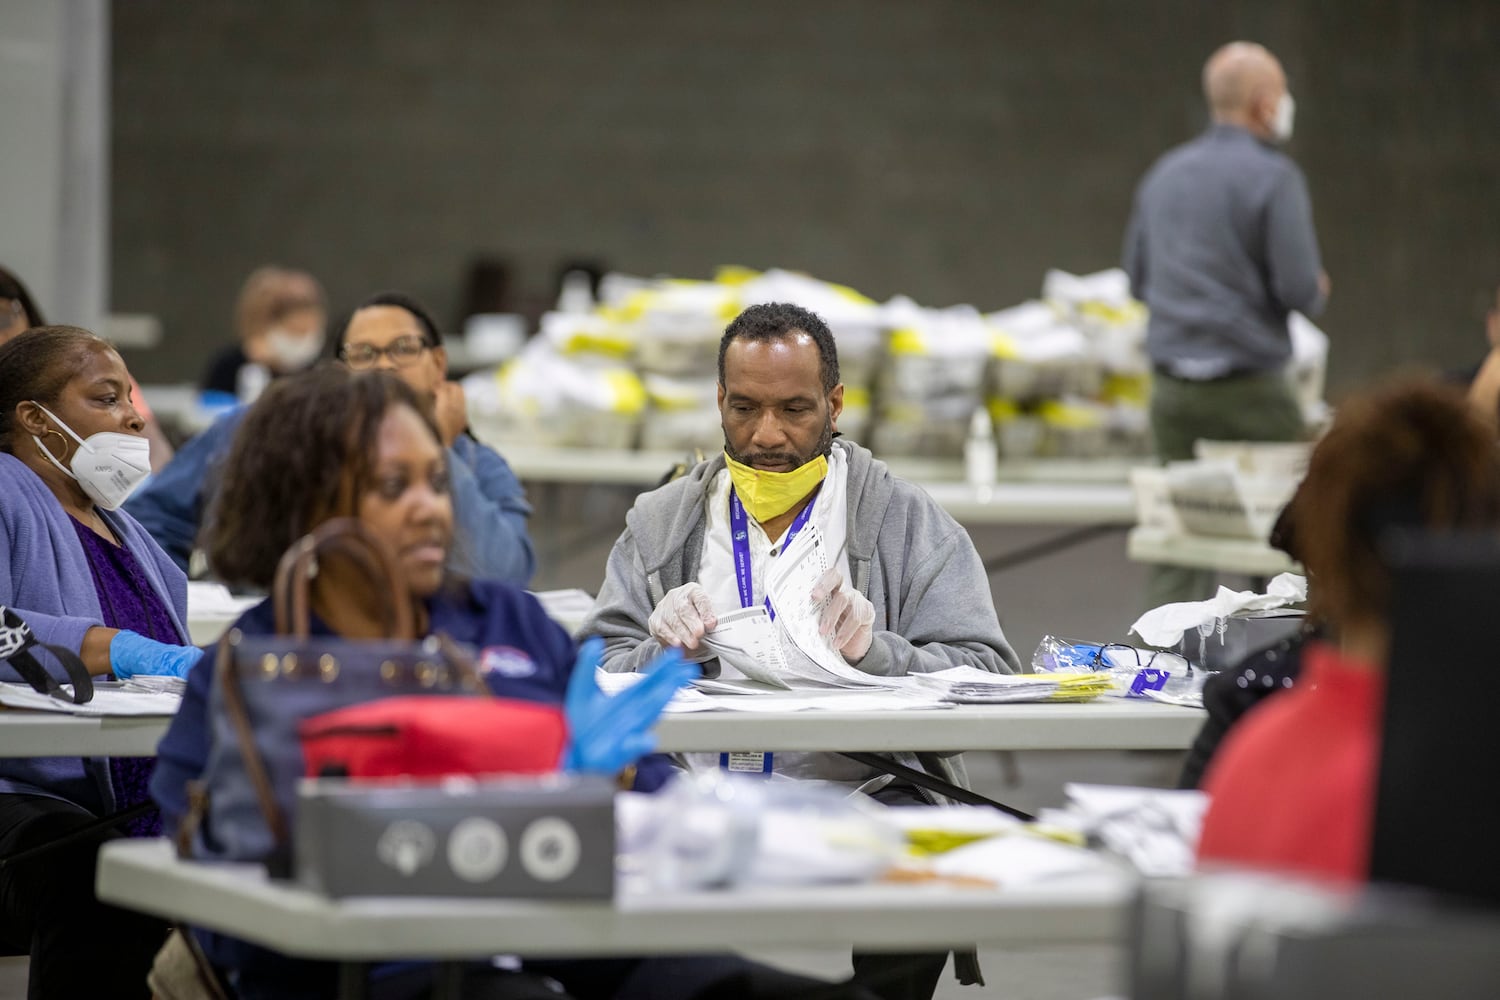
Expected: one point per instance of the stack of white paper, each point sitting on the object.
(1155, 829)
(1016, 861)
(684, 700)
(773, 699)
(109, 699)
(970, 685)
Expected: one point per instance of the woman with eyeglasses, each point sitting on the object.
(387, 332)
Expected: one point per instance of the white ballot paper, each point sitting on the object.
(109, 699)
(789, 651)
(747, 640)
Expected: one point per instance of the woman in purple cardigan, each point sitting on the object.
(84, 575)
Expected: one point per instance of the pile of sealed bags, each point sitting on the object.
(1061, 376)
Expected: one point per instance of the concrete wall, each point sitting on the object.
(951, 150)
(54, 154)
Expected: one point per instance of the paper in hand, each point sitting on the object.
(749, 641)
(793, 576)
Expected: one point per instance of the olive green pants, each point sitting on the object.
(1245, 408)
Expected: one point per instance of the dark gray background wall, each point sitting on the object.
(946, 149)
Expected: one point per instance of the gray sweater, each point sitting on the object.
(914, 562)
(1221, 247)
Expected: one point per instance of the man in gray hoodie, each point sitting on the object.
(906, 591)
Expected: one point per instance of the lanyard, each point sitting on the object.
(739, 536)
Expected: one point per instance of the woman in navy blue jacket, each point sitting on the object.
(328, 444)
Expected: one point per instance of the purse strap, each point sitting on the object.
(348, 537)
(228, 679)
(16, 643)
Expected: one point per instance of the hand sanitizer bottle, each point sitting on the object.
(979, 451)
(577, 295)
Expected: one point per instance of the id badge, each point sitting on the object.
(746, 762)
(1148, 679)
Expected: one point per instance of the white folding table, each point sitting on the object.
(1105, 724)
(241, 900)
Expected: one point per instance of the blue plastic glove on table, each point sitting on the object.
(607, 734)
(131, 653)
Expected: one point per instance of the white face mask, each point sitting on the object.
(1281, 123)
(109, 465)
(291, 352)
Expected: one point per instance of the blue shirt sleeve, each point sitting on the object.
(489, 512)
(170, 506)
(182, 753)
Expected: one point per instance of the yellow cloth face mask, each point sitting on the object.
(770, 494)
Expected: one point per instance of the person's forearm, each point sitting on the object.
(491, 539)
(95, 649)
(496, 548)
(892, 655)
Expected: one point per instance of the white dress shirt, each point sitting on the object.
(716, 573)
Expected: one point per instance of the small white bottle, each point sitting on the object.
(577, 294)
(979, 451)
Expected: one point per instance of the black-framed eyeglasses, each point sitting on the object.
(1151, 675)
(1169, 658)
(403, 352)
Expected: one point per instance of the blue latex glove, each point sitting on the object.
(131, 653)
(606, 734)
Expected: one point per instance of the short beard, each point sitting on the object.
(824, 447)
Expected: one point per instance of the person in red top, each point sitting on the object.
(1293, 788)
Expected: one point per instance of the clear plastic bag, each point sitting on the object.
(1135, 672)
(709, 829)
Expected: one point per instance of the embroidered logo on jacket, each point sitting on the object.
(507, 661)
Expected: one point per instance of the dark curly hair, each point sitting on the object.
(1411, 454)
(775, 320)
(36, 365)
(303, 454)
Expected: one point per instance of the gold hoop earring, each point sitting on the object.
(41, 448)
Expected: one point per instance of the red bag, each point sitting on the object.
(434, 736)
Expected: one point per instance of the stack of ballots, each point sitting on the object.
(942, 689)
(971, 686)
(787, 650)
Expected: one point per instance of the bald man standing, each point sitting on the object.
(1221, 247)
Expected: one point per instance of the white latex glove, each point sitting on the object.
(848, 618)
(682, 619)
